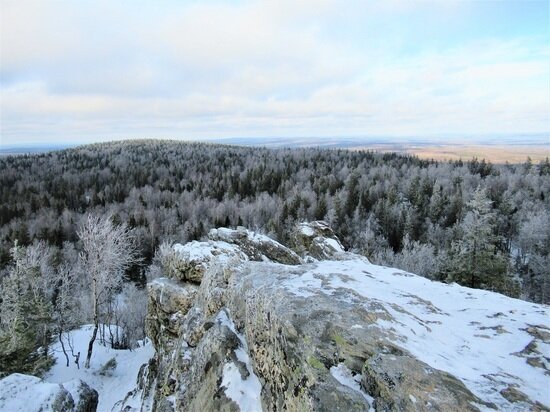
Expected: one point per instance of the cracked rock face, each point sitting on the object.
(316, 240)
(263, 330)
(256, 247)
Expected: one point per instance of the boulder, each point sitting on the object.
(257, 247)
(189, 262)
(403, 383)
(85, 398)
(317, 240)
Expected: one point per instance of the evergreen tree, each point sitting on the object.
(25, 317)
(475, 259)
(533, 260)
(321, 208)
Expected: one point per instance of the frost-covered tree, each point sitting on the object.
(67, 304)
(107, 251)
(475, 260)
(534, 255)
(176, 192)
(26, 312)
(131, 312)
(415, 257)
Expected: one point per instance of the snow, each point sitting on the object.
(111, 389)
(229, 236)
(205, 251)
(258, 237)
(473, 334)
(343, 375)
(16, 389)
(306, 229)
(333, 243)
(246, 393)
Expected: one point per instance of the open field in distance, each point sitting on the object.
(502, 149)
(494, 154)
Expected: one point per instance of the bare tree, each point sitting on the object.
(107, 251)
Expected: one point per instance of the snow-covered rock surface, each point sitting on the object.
(257, 247)
(489, 341)
(244, 391)
(111, 387)
(24, 393)
(316, 240)
(339, 334)
(192, 259)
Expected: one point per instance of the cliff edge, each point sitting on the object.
(243, 323)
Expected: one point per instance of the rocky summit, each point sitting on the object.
(241, 322)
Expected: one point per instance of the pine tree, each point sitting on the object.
(533, 260)
(321, 208)
(475, 259)
(25, 316)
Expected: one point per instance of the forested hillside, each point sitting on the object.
(482, 225)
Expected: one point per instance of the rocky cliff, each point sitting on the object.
(241, 322)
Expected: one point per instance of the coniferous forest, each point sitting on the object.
(419, 215)
(83, 229)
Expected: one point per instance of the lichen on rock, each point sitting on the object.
(316, 240)
(246, 323)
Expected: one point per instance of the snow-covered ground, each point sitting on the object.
(112, 387)
(15, 389)
(475, 335)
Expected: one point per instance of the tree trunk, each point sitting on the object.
(60, 334)
(96, 324)
(474, 267)
(91, 345)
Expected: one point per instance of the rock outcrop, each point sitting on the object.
(244, 324)
(256, 247)
(316, 240)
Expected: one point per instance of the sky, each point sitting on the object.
(81, 71)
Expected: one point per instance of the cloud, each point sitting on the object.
(210, 69)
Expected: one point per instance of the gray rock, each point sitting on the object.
(400, 382)
(203, 392)
(189, 262)
(169, 301)
(85, 397)
(292, 327)
(317, 240)
(256, 247)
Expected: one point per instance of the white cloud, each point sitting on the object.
(252, 69)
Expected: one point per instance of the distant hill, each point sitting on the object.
(7, 150)
(497, 149)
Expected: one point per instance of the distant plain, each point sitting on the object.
(491, 153)
(495, 149)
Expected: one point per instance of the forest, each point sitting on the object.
(479, 224)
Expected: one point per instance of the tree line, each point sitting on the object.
(471, 222)
(385, 206)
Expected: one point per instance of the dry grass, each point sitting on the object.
(494, 154)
